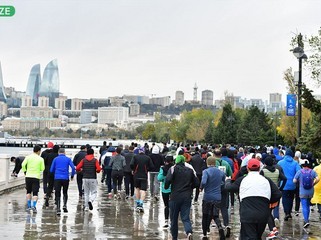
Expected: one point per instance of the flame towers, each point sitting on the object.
(3, 97)
(48, 86)
(34, 83)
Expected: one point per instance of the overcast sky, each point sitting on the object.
(143, 47)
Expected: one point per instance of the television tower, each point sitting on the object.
(195, 93)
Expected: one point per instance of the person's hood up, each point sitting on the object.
(111, 149)
(288, 158)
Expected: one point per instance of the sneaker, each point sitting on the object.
(228, 231)
(277, 222)
(271, 235)
(287, 217)
(205, 237)
(28, 209)
(166, 224)
(86, 208)
(195, 203)
(156, 198)
(306, 224)
(189, 236)
(90, 205)
(296, 213)
(127, 197)
(58, 212)
(64, 208)
(47, 202)
(221, 234)
(34, 209)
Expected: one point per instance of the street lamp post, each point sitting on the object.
(300, 55)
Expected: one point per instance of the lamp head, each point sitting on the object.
(298, 52)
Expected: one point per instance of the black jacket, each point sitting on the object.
(198, 163)
(141, 164)
(254, 209)
(182, 180)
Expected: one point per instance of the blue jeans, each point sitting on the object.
(182, 207)
(276, 211)
(305, 203)
(287, 200)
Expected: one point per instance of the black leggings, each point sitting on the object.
(166, 201)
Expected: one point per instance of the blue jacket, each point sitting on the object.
(290, 167)
(212, 180)
(60, 167)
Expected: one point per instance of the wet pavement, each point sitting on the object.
(115, 219)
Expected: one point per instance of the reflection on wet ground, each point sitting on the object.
(115, 219)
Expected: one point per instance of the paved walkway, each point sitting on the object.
(113, 219)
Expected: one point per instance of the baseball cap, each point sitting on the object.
(253, 164)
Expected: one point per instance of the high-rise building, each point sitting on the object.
(115, 115)
(163, 101)
(179, 98)
(3, 109)
(207, 97)
(49, 86)
(33, 85)
(60, 103)
(136, 99)
(3, 97)
(76, 104)
(43, 102)
(85, 116)
(26, 101)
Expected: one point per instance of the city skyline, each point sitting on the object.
(156, 48)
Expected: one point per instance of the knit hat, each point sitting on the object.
(180, 159)
(269, 161)
(50, 144)
(155, 150)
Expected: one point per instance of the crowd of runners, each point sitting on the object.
(259, 178)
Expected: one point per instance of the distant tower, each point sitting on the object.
(3, 97)
(49, 86)
(195, 93)
(34, 82)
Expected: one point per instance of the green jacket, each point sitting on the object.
(33, 166)
(224, 166)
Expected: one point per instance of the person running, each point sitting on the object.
(117, 163)
(33, 166)
(89, 167)
(158, 161)
(60, 169)
(256, 193)
(50, 177)
(198, 164)
(307, 178)
(276, 176)
(128, 174)
(140, 164)
(77, 158)
(226, 169)
(168, 163)
(182, 181)
(316, 199)
(45, 175)
(212, 181)
(290, 167)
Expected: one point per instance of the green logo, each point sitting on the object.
(7, 11)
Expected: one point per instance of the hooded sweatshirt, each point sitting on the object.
(290, 167)
(89, 166)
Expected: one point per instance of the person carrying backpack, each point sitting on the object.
(307, 179)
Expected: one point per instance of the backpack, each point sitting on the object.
(307, 179)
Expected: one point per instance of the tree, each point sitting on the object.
(226, 130)
(256, 128)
